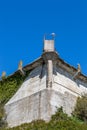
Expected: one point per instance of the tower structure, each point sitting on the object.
(49, 57)
(52, 83)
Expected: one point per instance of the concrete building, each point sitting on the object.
(52, 83)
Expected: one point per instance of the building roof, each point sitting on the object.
(49, 48)
(60, 62)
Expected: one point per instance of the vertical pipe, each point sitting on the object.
(49, 73)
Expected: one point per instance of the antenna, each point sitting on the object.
(53, 35)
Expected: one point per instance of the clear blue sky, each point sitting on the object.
(23, 24)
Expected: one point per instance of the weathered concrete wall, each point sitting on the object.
(64, 82)
(29, 108)
(66, 100)
(34, 101)
(35, 82)
(40, 105)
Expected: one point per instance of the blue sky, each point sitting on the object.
(23, 24)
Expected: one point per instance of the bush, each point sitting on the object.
(59, 115)
(80, 110)
(8, 87)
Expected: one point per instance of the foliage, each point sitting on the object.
(8, 87)
(2, 122)
(81, 108)
(59, 115)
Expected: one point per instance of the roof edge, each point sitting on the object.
(60, 62)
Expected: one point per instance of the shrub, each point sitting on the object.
(8, 87)
(80, 110)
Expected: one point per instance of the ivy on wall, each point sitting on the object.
(8, 87)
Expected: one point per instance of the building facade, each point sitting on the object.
(52, 83)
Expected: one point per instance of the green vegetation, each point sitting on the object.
(8, 87)
(59, 121)
(80, 111)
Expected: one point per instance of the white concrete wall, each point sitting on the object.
(66, 90)
(34, 101)
(31, 85)
(64, 82)
(36, 106)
